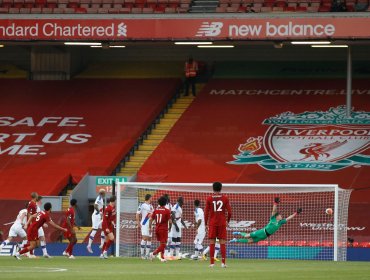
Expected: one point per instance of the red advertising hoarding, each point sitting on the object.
(185, 28)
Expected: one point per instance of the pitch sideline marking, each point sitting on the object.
(31, 269)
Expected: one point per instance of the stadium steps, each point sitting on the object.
(65, 200)
(153, 140)
(80, 234)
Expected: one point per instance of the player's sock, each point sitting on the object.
(217, 249)
(199, 249)
(178, 247)
(172, 249)
(91, 237)
(142, 247)
(43, 247)
(196, 251)
(212, 253)
(108, 243)
(162, 248)
(68, 249)
(71, 248)
(148, 247)
(223, 253)
(24, 250)
(102, 238)
(205, 252)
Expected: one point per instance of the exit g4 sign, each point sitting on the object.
(105, 182)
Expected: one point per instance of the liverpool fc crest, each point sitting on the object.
(323, 141)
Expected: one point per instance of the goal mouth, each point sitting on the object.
(312, 235)
(233, 188)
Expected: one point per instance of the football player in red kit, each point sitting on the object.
(217, 216)
(69, 224)
(162, 218)
(109, 217)
(39, 220)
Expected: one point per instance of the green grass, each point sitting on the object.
(111, 269)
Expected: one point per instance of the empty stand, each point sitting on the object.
(93, 6)
(225, 115)
(113, 114)
(176, 6)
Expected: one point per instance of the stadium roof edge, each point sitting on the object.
(188, 16)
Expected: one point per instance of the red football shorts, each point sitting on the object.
(32, 234)
(68, 234)
(162, 235)
(105, 229)
(217, 232)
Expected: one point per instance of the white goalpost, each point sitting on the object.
(311, 235)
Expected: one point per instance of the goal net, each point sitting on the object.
(312, 235)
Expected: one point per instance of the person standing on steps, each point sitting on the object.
(191, 72)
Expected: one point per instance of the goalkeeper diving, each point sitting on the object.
(276, 221)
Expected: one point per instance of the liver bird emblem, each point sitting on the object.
(319, 150)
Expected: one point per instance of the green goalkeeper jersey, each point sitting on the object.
(274, 225)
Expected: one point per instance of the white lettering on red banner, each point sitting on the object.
(181, 28)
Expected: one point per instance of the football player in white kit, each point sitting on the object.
(176, 229)
(145, 210)
(17, 230)
(201, 229)
(97, 219)
(41, 232)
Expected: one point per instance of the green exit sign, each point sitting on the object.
(108, 180)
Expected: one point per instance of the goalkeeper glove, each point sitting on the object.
(233, 240)
(236, 233)
(276, 200)
(299, 210)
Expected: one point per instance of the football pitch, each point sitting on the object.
(113, 268)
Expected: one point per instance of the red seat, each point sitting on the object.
(159, 10)
(113, 10)
(69, 11)
(301, 9)
(148, 10)
(47, 10)
(136, 10)
(80, 10)
(170, 10)
(221, 10)
(36, 10)
(4, 10)
(103, 11)
(13, 10)
(125, 10)
(289, 9)
(29, 3)
(263, 243)
(182, 9)
(91, 10)
(18, 3)
(58, 11)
